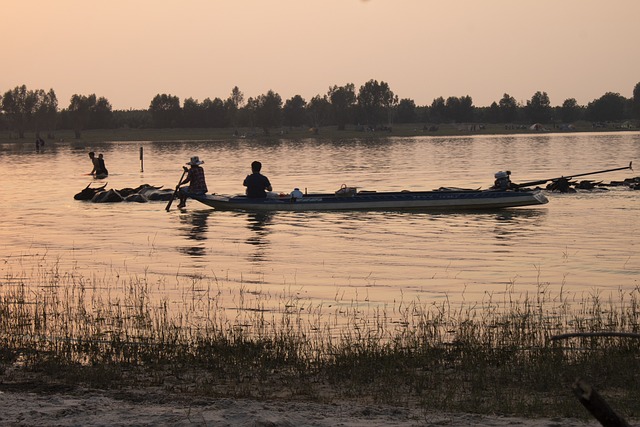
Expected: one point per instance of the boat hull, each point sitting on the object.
(405, 200)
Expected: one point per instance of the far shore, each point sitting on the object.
(328, 132)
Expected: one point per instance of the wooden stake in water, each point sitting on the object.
(141, 160)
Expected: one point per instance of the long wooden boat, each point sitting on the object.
(443, 199)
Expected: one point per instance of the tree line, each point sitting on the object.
(373, 106)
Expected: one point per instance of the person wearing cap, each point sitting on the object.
(256, 183)
(195, 179)
(503, 181)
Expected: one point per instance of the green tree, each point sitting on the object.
(508, 108)
(342, 99)
(294, 111)
(492, 114)
(247, 114)
(538, 109)
(46, 111)
(233, 105)
(319, 111)
(215, 113)
(192, 114)
(268, 111)
(375, 101)
(406, 111)
(19, 105)
(165, 110)
(438, 110)
(570, 110)
(101, 114)
(459, 110)
(609, 107)
(636, 100)
(134, 119)
(80, 112)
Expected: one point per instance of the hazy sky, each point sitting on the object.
(131, 50)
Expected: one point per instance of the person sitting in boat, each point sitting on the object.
(196, 180)
(256, 183)
(503, 181)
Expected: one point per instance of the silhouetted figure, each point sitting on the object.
(195, 178)
(256, 183)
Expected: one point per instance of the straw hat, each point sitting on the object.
(195, 161)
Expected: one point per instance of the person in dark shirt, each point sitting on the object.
(256, 183)
(195, 179)
(102, 169)
(99, 170)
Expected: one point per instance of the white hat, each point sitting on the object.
(195, 160)
(501, 174)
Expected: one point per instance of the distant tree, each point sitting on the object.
(319, 111)
(237, 97)
(342, 99)
(636, 100)
(438, 110)
(134, 119)
(609, 107)
(452, 105)
(492, 114)
(192, 114)
(294, 111)
(538, 109)
(46, 111)
(215, 113)
(422, 113)
(459, 110)
(233, 105)
(406, 111)
(101, 114)
(375, 101)
(508, 108)
(268, 111)
(165, 111)
(247, 113)
(466, 112)
(19, 105)
(80, 112)
(570, 110)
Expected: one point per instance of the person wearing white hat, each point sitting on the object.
(195, 179)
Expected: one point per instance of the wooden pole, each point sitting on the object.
(597, 406)
(141, 159)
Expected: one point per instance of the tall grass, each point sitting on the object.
(490, 356)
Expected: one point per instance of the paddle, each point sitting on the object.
(542, 181)
(177, 188)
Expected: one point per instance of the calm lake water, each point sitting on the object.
(583, 243)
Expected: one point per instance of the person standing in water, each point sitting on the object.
(99, 170)
(101, 166)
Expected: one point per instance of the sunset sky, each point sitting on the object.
(131, 50)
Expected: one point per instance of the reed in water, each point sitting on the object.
(61, 328)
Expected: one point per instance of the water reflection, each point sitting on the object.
(259, 224)
(194, 227)
(513, 223)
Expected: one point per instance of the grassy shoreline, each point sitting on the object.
(494, 356)
(329, 132)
